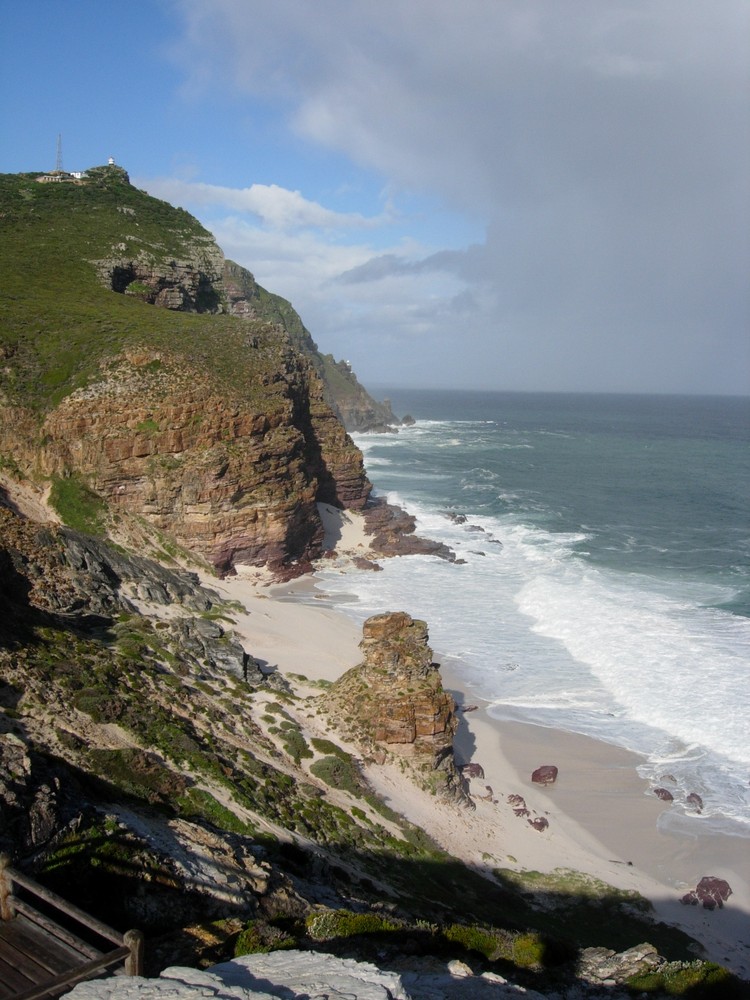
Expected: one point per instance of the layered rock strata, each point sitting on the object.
(231, 475)
(397, 702)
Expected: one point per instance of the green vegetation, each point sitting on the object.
(258, 936)
(330, 748)
(295, 745)
(78, 506)
(199, 802)
(59, 320)
(322, 926)
(695, 980)
(339, 773)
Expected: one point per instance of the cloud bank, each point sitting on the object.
(602, 145)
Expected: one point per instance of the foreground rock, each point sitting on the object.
(297, 975)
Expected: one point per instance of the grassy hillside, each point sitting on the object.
(58, 319)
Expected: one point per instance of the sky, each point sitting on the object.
(533, 195)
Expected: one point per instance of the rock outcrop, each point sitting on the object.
(397, 701)
(392, 532)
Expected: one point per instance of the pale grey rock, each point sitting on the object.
(603, 965)
(291, 975)
(297, 975)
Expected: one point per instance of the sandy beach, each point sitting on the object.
(602, 818)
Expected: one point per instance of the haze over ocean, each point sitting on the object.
(605, 582)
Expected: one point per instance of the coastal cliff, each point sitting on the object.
(165, 422)
(160, 383)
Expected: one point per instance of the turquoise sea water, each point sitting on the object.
(605, 582)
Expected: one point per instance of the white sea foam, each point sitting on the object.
(547, 638)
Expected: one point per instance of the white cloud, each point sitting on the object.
(275, 206)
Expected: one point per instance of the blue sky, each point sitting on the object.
(498, 194)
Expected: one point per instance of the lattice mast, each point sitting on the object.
(58, 161)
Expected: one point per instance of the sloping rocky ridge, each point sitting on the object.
(154, 774)
(136, 750)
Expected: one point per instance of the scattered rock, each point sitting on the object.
(362, 563)
(664, 794)
(694, 801)
(393, 532)
(456, 518)
(539, 823)
(545, 775)
(472, 770)
(710, 893)
(468, 708)
(516, 800)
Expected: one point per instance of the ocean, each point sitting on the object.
(603, 581)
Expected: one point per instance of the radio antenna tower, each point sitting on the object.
(58, 162)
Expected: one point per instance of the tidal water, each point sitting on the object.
(604, 581)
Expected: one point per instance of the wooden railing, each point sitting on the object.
(87, 960)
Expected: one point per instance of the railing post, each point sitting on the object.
(6, 890)
(134, 961)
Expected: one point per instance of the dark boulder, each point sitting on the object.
(710, 893)
(545, 775)
(472, 770)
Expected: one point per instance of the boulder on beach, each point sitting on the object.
(545, 775)
(539, 823)
(710, 893)
(664, 794)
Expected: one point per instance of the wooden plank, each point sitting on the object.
(56, 984)
(31, 945)
(12, 979)
(109, 933)
(79, 947)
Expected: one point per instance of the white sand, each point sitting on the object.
(602, 821)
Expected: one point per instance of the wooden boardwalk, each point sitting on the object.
(39, 957)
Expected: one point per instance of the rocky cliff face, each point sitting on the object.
(194, 400)
(229, 478)
(396, 700)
